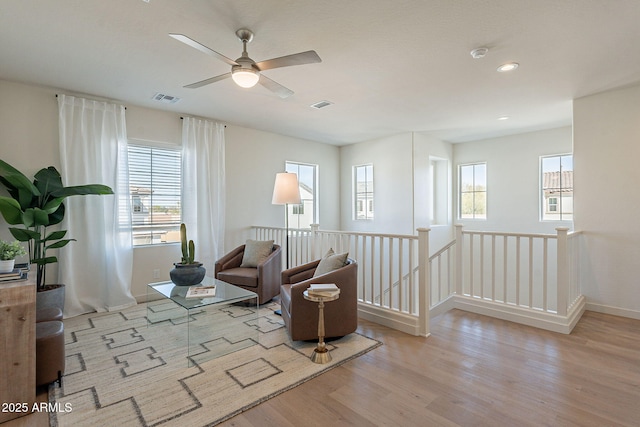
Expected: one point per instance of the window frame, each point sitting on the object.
(544, 205)
(295, 212)
(473, 191)
(368, 202)
(172, 226)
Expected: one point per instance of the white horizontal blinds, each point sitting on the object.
(155, 188)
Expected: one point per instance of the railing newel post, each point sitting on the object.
(314, 236)
(458, 260)
(562, 271)
(424, 285)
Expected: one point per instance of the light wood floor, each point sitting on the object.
(475, 371)
(472, 371)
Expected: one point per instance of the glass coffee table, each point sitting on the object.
(213, 326)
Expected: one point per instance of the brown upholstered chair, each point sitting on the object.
(263, 279)
(301, 316)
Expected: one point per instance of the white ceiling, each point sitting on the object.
(388, 66)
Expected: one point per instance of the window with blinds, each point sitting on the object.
(155, 176)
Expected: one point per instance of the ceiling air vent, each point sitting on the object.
(321, 104)
(167, 99)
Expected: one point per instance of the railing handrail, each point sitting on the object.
(365, 234)
(505, 234)
(443, 250)
(351, 233)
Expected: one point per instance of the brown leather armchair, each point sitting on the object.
(301, 316)
(263, 279)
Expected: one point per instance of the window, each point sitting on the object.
(363, 191)
(556, 184)
(154, 183)
(473, 191)
(304, 214)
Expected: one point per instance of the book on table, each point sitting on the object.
(201, 291)
(323, 290)
(16, 274)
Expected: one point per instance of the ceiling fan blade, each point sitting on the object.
(308, 57)
(274, 87)
(202, 48)
(208, 81)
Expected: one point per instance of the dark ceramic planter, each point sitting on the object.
(52, 296)
(187, 274)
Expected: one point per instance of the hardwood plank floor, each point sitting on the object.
(472, 371)
(475, 371)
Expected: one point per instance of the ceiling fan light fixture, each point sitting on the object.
(245, 77)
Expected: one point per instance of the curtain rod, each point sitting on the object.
(96, 100)
(182, 118)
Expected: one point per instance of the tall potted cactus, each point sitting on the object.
(187, 272)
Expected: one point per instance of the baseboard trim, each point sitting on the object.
(523, 315)
(442, 307)
(615, 311)
(400, 321)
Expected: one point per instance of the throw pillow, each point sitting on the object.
(331, 261)
(255, 252)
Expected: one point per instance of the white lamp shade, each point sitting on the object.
(245, 77)
(286, 189)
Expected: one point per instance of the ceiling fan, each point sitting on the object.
(245, 72)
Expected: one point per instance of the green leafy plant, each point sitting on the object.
(36, 206)
(11, 250)
(188, 249)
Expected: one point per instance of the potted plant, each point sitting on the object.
(188, 271)
(8, 253)
(36, 206)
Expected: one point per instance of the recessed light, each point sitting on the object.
(509, 66)
(479, 52)
(503, 118)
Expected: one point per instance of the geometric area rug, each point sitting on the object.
(121, 372)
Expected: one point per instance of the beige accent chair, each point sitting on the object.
(263, 279)
(301, 316)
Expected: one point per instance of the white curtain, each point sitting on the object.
(97, 268)
(203, 188)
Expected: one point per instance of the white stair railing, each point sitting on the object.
(442, 274)
(516, 276)
(538, 272)
(383, 260)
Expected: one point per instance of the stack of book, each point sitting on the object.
(16, 274)
(323, 290)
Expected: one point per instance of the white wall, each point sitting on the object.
(513, 179)
(28, 135)
(401, 185)
(253, 158)
(426, 148)
(29, 141)
(392, 182)
(606, 158)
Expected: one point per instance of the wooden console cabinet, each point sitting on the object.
(17, 348)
